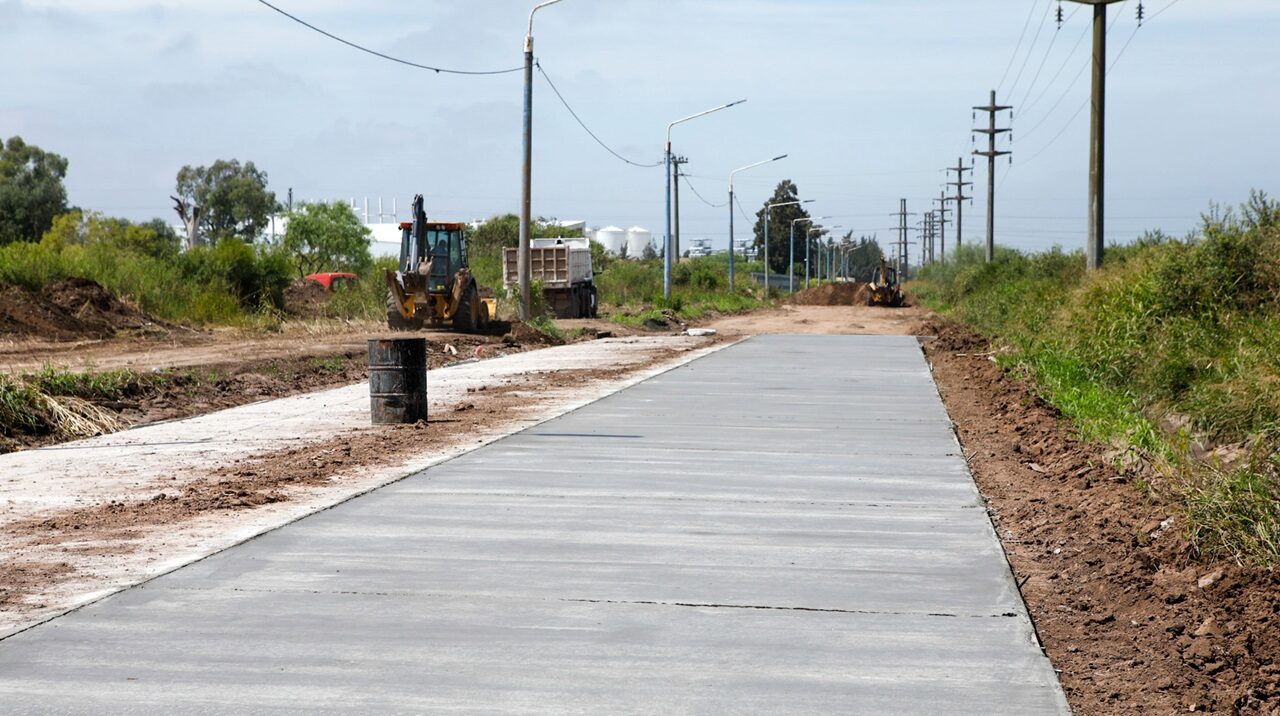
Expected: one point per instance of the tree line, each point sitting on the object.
(226, 201)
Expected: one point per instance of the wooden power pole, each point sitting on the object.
(1097, 133)
(992, 132)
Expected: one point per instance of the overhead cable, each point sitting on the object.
(1031, 48)
(1031, 12)
(1084, 104)
(385, 56)
(584, 126)
(700, 196)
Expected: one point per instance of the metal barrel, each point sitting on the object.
(398, 380)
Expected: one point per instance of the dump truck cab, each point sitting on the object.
(433, 282)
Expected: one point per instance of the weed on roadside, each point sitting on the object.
(1175, 331)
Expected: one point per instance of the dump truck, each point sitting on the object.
(563, 267)
(432, 285)
(883, 289)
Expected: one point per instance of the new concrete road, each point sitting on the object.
(784, 526)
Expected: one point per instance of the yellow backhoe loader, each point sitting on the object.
(883, 289)
(433, 285)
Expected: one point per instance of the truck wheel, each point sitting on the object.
(466, 316)
(397, 322)
(593, 302)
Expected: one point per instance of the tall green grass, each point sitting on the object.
(632, 290)
(1170, 332)
(223, 285)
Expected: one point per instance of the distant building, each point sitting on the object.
(699, 248)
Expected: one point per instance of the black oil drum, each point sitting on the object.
(398, 380)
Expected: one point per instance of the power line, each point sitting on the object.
(699, 195)
(582, 124)
(1047, 12)
(1048, 51)
(1161, 12)
(1067, 126)
(742, 211)
(1065, 63)
(375, 53)
(1087, 64)
(1030, 14)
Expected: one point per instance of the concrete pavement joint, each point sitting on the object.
(824, 610)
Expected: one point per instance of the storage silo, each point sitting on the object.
(637, 239)
(612, 239)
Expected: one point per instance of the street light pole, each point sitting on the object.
(791, 263)
(808, 241)
(735, 171)
(526, 189)
(666, 163)
(768, 217)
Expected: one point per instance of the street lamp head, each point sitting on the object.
(780, 156)
(528, 38)
(699, 114)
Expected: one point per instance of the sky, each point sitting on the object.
(870, 100)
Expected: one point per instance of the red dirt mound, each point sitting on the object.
(832, 294)
(69, 309)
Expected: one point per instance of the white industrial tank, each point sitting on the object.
(612, 239)
(637, 239)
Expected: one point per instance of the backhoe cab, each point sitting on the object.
(883, 289)
(433, 283)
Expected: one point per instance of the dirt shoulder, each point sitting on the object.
(1133, 622)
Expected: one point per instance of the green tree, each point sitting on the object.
(864, 256)
(31, 190)
(224, 200)
(77, 228)
(500, 232)
(780, 221)
(327, 237)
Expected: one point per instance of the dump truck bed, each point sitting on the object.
(557, 266)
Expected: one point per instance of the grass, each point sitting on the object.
(52, 402)
(1171, 332)
(632, 290)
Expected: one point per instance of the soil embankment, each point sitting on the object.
(1133, 621)
(832, 294)
(66, 310)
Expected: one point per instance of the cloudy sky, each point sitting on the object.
(870, 99)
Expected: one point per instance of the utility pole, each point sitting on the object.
(900, 252)
(926, 242)
(942, 227)
(526, 170)
(676, 162)
(1097, 134)
(959, 198)
(992, 132)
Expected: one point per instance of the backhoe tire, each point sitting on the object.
(397, 322)
(465, 317)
